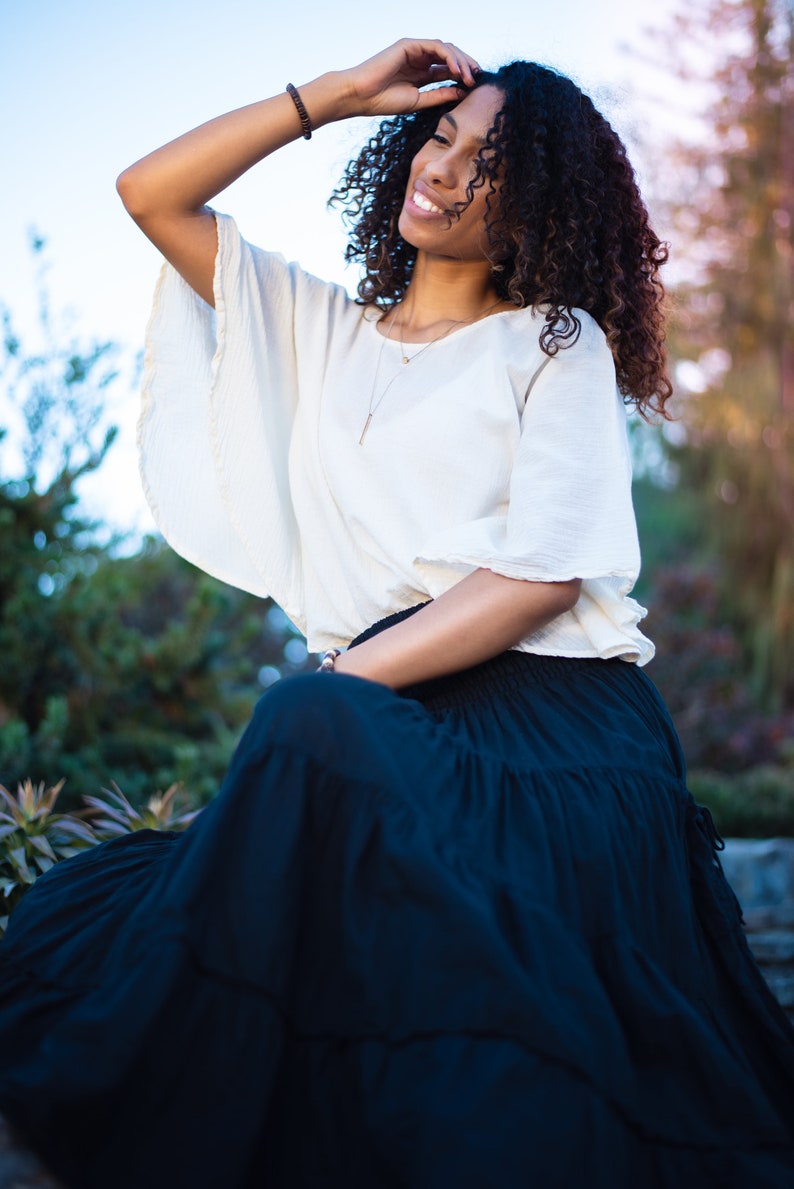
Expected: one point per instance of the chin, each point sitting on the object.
(431, 241)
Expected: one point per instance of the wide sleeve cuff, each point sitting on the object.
(569, 511)
(219, 400)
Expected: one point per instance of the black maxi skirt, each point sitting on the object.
(473, 935)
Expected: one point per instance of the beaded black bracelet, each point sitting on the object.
(306, 123)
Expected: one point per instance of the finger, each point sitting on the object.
(459, 64)
(454, 63)
(464, 67)
(439, 95)
(441, 73)
(474, 69)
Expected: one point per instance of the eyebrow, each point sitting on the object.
(481, 141)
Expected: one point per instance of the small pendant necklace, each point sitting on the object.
(405, 359)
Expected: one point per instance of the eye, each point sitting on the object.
(439, 139)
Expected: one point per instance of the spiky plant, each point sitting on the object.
(113, 815)
(33, 837)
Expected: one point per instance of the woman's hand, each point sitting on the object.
(389, 83)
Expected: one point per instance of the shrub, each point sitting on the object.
(757, 803)
(33, 837)
(700, 672)
(117, 816)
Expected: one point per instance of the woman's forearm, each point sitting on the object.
(186, 173)
(166, 191)
(482, 615)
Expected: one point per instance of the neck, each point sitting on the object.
(444, 290)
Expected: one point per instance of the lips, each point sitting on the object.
(422, 201)
(425, 204)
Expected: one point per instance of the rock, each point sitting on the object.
(19, 1168)
(774, 947)
(761, 873)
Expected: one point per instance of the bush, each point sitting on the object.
(33, 837)
(758, 803)
(700, 673)
(137, 668)
(154, 676)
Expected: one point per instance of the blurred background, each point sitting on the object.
(119, 661)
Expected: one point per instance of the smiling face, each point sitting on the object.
(440, 173)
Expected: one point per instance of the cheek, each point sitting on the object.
(481, 209)
(417, 164)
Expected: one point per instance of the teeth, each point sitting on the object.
(425, 204)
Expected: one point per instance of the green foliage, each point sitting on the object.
(670, 522)
(135, 669)
(33, 837)
(698, 670)
(154, 676)
(117, 816)
(758, 803)
(699, 665)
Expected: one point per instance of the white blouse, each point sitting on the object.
(482, 452)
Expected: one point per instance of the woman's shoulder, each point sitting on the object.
(571, 344)
(590, 334)
(577, 326)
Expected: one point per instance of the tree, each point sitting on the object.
(138, 670)
(53, 401)
(734, 224)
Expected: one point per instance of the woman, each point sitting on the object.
(453, 918)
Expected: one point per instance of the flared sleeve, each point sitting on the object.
(221, 390)
(569, 511)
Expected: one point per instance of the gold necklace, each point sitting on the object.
(409, 359)
(444, 333)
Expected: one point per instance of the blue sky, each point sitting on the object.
(87, 88)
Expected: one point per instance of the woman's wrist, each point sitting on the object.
(328, 98)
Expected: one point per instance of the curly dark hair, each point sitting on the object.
(569, 229)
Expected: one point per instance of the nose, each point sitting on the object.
(441, 171)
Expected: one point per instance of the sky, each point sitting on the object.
(86, 88)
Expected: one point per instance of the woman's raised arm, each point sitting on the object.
(167, 191)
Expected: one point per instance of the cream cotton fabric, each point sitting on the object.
(481, 453)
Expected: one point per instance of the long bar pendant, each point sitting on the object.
(364, 430)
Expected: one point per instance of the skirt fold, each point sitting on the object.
(475, 934)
